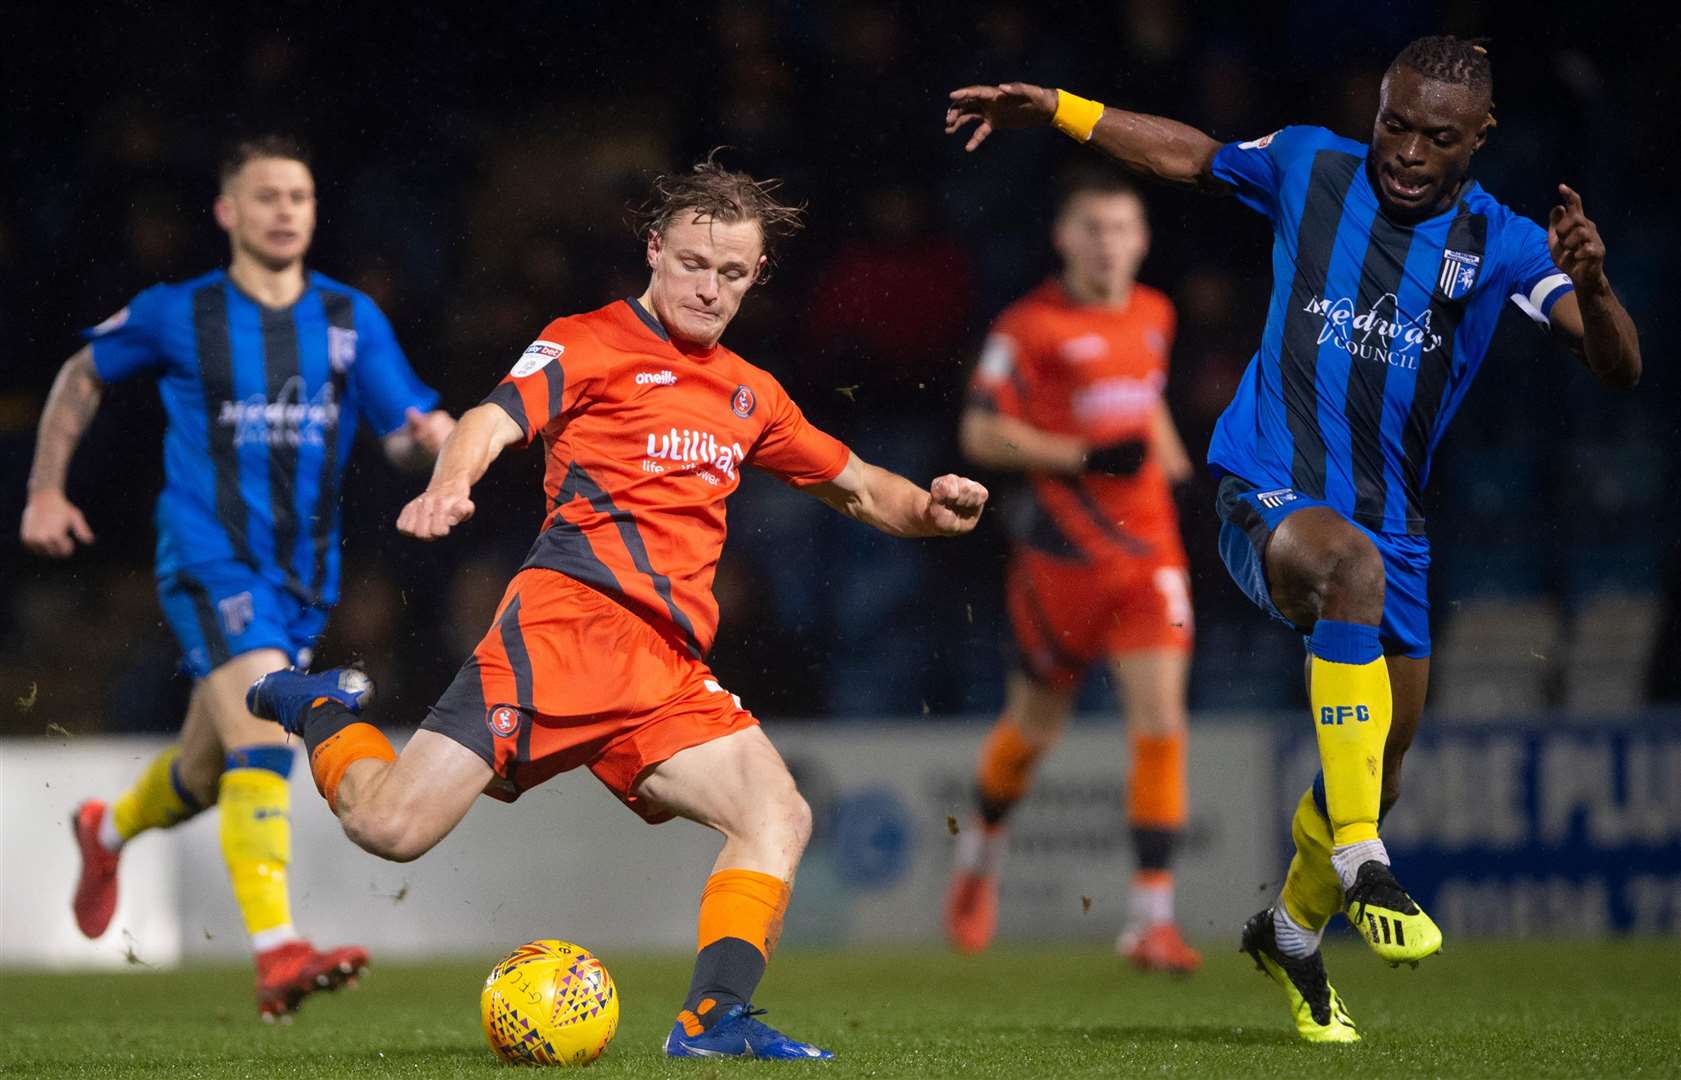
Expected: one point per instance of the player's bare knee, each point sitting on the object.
(797, 815)
(1348, 583)
(1156, 720)
(786, 818)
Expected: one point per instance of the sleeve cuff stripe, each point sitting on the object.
(507, 397)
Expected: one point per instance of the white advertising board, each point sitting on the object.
(567, 860)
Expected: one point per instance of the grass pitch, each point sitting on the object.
(1565, 1009)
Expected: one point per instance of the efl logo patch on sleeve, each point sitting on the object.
(1259, 144)
(536, 356)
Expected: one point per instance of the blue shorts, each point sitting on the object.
(1248, 518)
(221, 610)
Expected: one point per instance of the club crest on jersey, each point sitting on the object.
(742, 402)
(1458, 274)
(503, 720)
(341, 348)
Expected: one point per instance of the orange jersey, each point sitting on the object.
(644, 442)
(1096, 373)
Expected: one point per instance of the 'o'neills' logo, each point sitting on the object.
(1382, 333)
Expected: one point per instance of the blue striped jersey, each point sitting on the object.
(262, 406)
(1375, 329)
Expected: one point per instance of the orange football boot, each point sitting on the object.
(96, 889)
(971, 911)
(286, 974)
(1160, 948)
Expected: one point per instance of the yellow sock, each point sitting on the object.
(256, 804)
(1312, 891)
(1348, 686)
(155, 801)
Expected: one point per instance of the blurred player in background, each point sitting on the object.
(265, 370)
(1390, 269)
(595, 655)
(1069, 392)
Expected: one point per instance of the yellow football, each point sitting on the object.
(549, 1003)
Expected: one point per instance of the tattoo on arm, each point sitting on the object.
(70, 407)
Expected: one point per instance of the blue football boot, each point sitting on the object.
(286, 696)
(737, 1034)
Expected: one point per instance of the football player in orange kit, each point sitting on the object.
(594, 657)
(1069, 392)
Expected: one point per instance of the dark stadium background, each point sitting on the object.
(474, 164)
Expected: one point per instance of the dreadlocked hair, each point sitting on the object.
(712, 192)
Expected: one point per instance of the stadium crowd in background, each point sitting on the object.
(474, 183)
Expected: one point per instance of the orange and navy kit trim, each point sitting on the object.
(594, 656)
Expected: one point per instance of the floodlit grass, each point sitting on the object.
(1567, 1009)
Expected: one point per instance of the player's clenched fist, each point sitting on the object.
(1006, 105)
(954, 504)
(432, 514)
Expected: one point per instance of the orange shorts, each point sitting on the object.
(1068, 615)
(567, 677)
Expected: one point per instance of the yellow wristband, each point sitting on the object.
(1075, 116)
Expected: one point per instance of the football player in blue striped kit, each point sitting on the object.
(1390, 268)
(265, 369)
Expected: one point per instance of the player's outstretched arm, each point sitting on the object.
(950, 506)
(477, 440)
(51, 523)
(1152, 145)
(1592, 321)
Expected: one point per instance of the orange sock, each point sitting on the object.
(1156, 811)
(1005, 771)
(1156, 790)
(342, 749)
(742, 904)
(740, 922)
